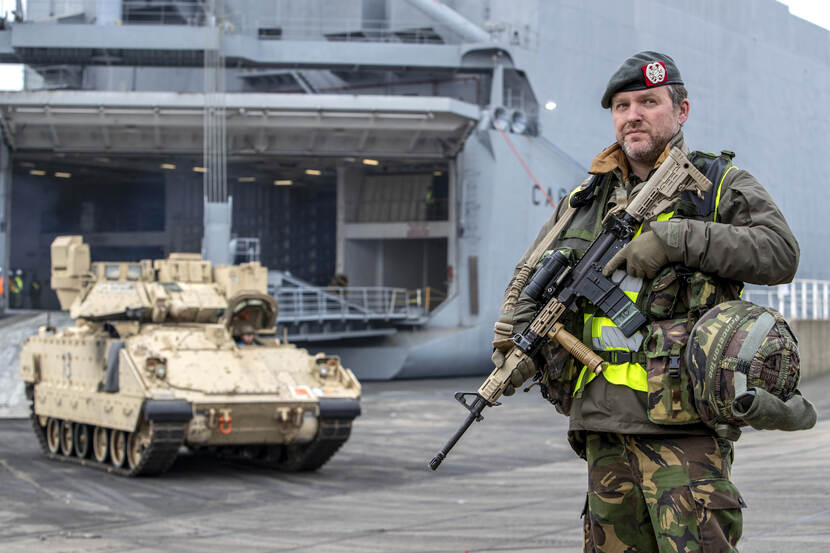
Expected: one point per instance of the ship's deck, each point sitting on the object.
(511, 484)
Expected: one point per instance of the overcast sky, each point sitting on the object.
(815, 11)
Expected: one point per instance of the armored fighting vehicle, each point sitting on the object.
(173, 352)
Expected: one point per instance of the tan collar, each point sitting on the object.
(613, 157)
(609, 159)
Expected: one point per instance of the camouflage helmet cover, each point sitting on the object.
(735, 346)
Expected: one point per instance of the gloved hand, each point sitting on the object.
(502, 334)
(502, 344)
(524, 370)
(644, 257)
(521, 373)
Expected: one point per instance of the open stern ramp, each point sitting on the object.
(257, 124)
(311, 313)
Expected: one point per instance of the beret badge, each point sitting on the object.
(655, 73)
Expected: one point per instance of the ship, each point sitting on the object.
(389, 160)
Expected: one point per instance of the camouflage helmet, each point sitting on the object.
(735, 346)
(246, 328)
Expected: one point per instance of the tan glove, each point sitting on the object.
(502, 334)
(502, 344)
(643, 257)
(521, 373)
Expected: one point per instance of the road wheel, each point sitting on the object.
(82, 440)
(118, 448)
(331, 434)
(67, 437)
(137, 444)
(53, 435)
(100, 443)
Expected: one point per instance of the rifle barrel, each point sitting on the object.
(475, 413)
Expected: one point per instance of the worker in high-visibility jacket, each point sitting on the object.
(16, 290)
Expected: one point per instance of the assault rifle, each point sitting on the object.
(558, 286)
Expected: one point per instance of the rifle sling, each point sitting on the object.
(523, 276)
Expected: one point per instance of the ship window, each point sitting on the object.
(133, 272)
(112, 272)
(270, 33)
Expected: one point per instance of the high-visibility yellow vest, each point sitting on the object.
(606, 336)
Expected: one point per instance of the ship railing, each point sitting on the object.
(244, 250)
(427, 298)
(800, 299)
(337, 27)
(359, 303)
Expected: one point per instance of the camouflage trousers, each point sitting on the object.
(650, 494)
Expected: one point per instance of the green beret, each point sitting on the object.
(642, 71)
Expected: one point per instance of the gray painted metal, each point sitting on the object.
(759, 82)
(108, 12)
(452, 19)
(257, 124)
(358, 303)
(801, 299)
(309, 313)
(176, 45)
(739, 60)
(217, 237)
(742, 99)
(5, 219)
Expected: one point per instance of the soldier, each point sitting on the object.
(659, 479)
(247, 335)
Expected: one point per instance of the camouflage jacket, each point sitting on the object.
(750, 242)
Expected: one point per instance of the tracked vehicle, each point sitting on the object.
(157, 361)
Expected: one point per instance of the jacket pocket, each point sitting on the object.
(663, 292)
(669, 388)
(704, 291)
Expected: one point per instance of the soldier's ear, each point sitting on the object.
(683, 109)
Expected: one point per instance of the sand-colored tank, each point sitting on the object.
(173, 352)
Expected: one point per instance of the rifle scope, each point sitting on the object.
(552, 267)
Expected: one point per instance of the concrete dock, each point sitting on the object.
(512, 484)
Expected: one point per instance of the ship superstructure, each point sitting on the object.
(390, 145)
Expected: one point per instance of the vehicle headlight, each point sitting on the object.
(327, 366)
(156, 366)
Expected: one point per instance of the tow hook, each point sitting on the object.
(225, 424)
(291, 415)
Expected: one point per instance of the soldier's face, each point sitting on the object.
(645, 121)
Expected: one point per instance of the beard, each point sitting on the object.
(646, 151)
